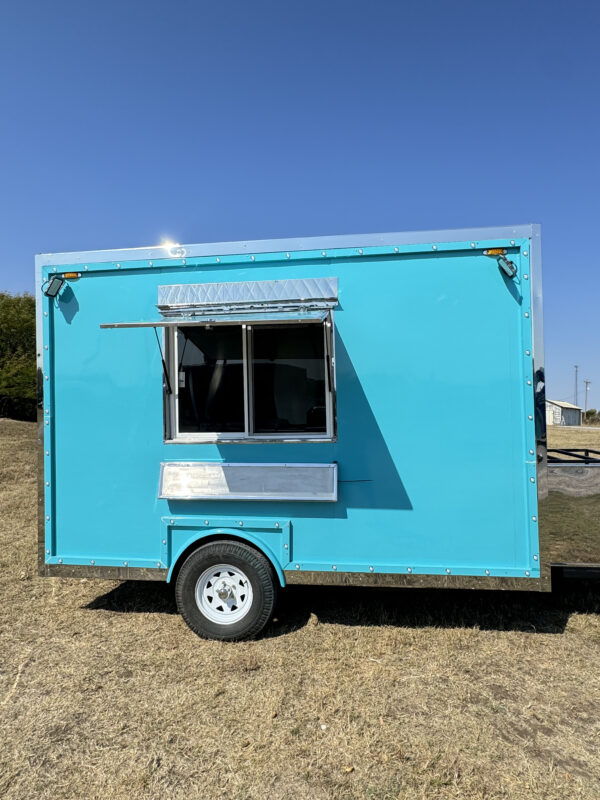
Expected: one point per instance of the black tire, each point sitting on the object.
(250, 583)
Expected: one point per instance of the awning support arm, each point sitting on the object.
(162, 358)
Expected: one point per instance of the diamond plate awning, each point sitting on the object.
(296, 294)
(256, 302)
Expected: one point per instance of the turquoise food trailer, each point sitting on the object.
(237, 417)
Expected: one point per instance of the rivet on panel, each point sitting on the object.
(276, 524)
(183, 261)
(45, 313)
(527, 314)
(529, 416)
(47, 552)
(360, 252)
(487, 572)
(47, 452)
(46, 411)
(448, 570)
(124, 563)
(334, 567)
(532, 480)
(47, 483)
(47, 422)
(535, 558)
(512, 241)
(525, 277)
(206, 522)
(434, 247)
(164, 541)
(252, 258)
(287, 255)
(409, 569)
(527, 352)
(158, 563)
(528, 383)
(472, 244)
(172, 522)
(527, 573)
(150, 264)
(218, 260)
(285, 547)
(47, 519)
(60, 560)
(45, 347)
(323, 253)
(240, 523)
(534, 519)
(53, 269)
(86, 266)
(396, 249)
(297, 566)
(531, 452)
(92, 562)
(370, 569)
(525, 253)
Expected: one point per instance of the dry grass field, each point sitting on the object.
(104, 693)
(580, 437)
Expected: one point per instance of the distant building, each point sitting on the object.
(560, 413)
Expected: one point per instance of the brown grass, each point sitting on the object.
(576, 437)
(104, 693)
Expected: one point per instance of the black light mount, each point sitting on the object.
(53, 286)
(507, 266)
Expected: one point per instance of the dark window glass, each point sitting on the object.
(288, 367)
(211, 379)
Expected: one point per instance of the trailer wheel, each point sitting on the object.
(226, 590)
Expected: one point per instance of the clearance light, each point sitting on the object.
(495, 251)
(72, 276)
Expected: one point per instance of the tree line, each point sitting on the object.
(17, 356)
(591, 417)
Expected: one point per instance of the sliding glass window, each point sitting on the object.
(241, 381)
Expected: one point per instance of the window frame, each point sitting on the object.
(172, 434)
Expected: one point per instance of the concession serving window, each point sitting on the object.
(248, 361)
(250, 380)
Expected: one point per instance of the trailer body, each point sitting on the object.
(379, 401)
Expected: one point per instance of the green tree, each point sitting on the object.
(17, 356)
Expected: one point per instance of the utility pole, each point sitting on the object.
(576, 368)
(587, 388)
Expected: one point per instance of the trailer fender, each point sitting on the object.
(201, 537)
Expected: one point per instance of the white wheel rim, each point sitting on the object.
(224, 594)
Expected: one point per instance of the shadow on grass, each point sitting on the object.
(526, 612)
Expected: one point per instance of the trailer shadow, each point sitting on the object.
(402, 608)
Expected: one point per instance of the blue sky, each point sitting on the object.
(126, 122)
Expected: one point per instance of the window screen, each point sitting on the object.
(288, 366)
(210, 379)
